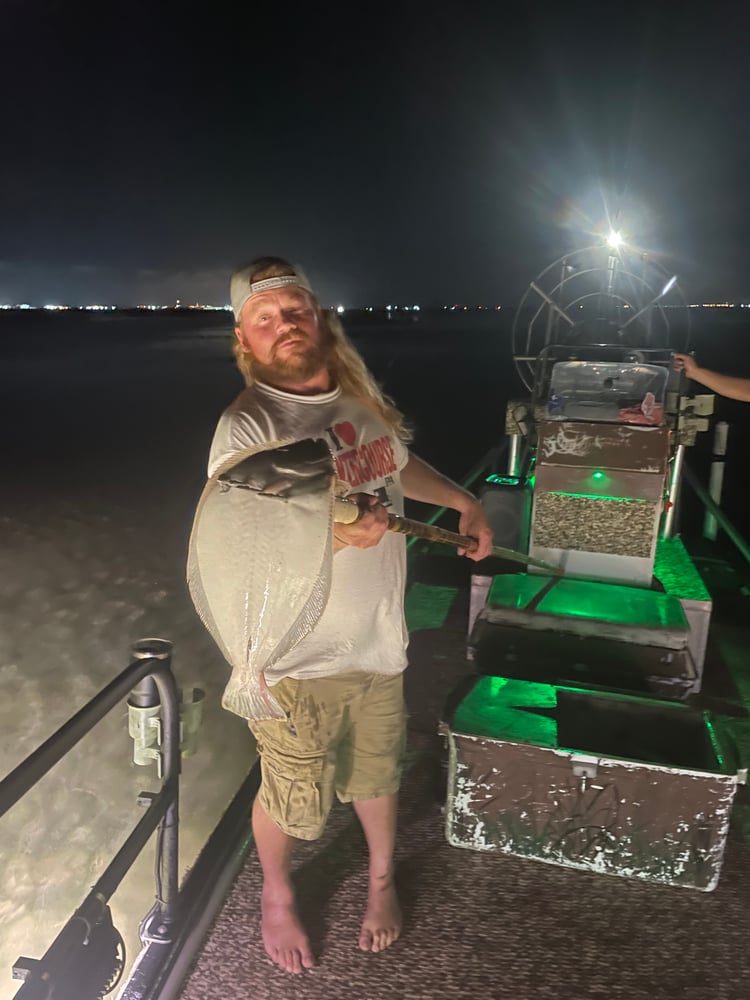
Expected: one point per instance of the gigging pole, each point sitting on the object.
(348, 511)
(716, 480)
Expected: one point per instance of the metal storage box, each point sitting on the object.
(582, 632)
(617, 784)
(598, 498)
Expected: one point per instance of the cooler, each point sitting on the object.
(606, 782)
(583, 632)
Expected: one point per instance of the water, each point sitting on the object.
(105, 424)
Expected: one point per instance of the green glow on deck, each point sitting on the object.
(492, 709)
(677, 571)
(427, 606)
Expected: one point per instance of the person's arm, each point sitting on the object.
(366, 531)
(423, 483)
(726, 385)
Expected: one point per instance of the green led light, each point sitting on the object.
(503, 480)
(598, 475)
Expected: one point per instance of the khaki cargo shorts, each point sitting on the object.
(344, 734)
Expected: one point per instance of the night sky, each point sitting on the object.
(414, 152)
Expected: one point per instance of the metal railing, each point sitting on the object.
(717, 513)
(58, 972)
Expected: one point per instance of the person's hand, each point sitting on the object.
(368, 530)
(474, 523)
(685, 363)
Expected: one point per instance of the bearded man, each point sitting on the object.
(341, 686)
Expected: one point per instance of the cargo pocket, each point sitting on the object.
(299, 805)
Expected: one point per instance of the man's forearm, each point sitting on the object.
(423, 483)
(726, 385)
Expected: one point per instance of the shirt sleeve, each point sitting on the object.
(234, 432)
(400, 453)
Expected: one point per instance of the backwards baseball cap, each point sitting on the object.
(242, 287)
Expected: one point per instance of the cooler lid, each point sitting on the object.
(587, 608)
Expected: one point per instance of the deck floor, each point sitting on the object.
(484, 924)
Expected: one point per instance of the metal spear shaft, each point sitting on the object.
(348, 511)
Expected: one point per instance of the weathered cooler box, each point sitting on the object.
(612, 783)
(584, 633)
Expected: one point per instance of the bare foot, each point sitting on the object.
(284, 937)
(382, 923)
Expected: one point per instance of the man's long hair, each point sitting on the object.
(345, 364)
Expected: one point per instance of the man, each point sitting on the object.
(341, 686)
(726, 385)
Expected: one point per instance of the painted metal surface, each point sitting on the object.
(610, 783)
(603, 446)
(622, 526)
(599, 491)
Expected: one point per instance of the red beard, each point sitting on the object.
(297, 363)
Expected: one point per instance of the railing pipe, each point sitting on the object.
(147, 649)
(151, 660)
(44, 758)
(716, 482)
(721, 519)
(674, 490)
(514, 455)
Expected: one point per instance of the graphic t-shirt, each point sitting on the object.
(363, 625)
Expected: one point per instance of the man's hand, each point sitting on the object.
(685, 363)
(368, 530)
(473, 522)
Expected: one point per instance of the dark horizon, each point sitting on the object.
(448, 152)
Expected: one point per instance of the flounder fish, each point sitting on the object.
(260, 561)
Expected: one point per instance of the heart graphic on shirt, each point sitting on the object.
(346, 432)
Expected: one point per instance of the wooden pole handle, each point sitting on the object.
(347, 511)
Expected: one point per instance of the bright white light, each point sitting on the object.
(415, 308)
(614, 239)
(339, 309)
(669, 285)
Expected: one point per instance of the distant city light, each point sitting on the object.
(456, 307)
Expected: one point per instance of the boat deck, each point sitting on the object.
(486, 924)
